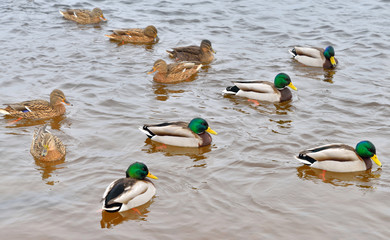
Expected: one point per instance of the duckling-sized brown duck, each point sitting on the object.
(174, 72)
(45, 146)
(38, 109)
(202, 53)
(135, 35)
(84, 16)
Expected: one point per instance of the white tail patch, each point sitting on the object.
(4, 112)
(61, 13)
(28, 109)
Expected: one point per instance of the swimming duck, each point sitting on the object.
(263, 90)
(339, 157)
(173, 72)
(38, 109)
(130, 192)
(134, 35)
(181, 134)
(202, 53)
(45, 146)
(315, 57)
(84, 16)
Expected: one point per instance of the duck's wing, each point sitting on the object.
(331, 152)
(181, 67)
(195, 50)
(123, 190)
(29, 106)
(255, 86)
(130, 31)
(179, 129)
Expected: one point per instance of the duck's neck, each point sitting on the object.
(60, 108)
(368, 163)
(206, 139)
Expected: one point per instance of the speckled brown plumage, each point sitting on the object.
(46, 147)
(38, 109)
(84, 16)
(202, 53)
(135, 35)
(174, 72)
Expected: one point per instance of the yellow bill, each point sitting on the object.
(152, 71)
(151, 176)
(291, 85)
(209, 130)
(375, 159)
(332, 61)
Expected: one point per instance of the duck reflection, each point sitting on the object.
(315, 73)
(196, 154)
(328, 75)
(109, 220)
(360, 179)
(162, 92)
(55, 122)
(47, 169)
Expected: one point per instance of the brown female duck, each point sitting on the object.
(38, 109)
(202, 53)
(84, 16)
(45, 146)
(135, 35)
(174, 72)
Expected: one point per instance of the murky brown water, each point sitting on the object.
(246, 185)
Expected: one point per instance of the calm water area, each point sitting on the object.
(246, 184)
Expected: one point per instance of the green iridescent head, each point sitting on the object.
(199, 125)
(282, 80)
(366, 149)
(139, 171)
(329, 52)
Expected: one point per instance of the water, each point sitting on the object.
(246, 185)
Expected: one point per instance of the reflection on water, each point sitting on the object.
(360, 179)
(147, 46)
(162, 92)
(47, 169)
(109, 220)
(55, 123)
(196, 154)
(328, 75)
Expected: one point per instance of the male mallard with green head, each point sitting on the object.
(339, 157)
(315, 57)
(202, 53)
(130, 192)
(135, 35)
(264, 90)
(45, 146)
(181, 134)
(84, 16)
(38, 109)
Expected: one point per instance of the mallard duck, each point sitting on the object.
(45, 146)
(135, 35)
(263, 90)
(339, 157)
(315, 57)
(38, 109)
(84, 16)
(173, 72)
(181, 134)
(202, 53)
(130, 192)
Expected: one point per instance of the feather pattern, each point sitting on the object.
(314, 57)
(135, 35)
(38, 109)
(46, 147)
(174, 72)
(199, 54)
(83, 16)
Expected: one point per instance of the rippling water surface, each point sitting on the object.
(246, 185)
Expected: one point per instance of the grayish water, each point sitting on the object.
(246, 185)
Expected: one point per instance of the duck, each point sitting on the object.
(38, 109)
(202, 53)
(130, 192)
(83, 16)
(45, 146)
(181, 134)
(173, 72)
(338, 157)
(135, 35)
(264, 90)
(315, 57)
